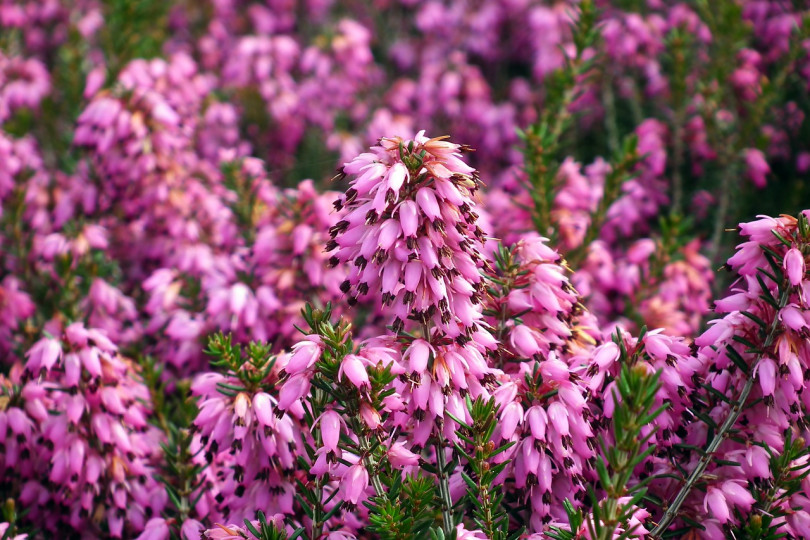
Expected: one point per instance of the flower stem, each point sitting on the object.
(368, 461)
(444, 485)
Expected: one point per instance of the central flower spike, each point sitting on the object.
(410, 233)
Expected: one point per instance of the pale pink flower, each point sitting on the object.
(794, 266)
(353, 484)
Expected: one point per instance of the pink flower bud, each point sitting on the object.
(757, 167)
(95, 80)
(353, 368)
(293, 389)
(305, 354)
(792, 318)
(737, 494)
(156, 529)
(191, 529)
(396, 176)
(408, 218)
(43, 355)
(794, 266)
(263, 409)
(605, 355)
(537, 419)
(389, 232)
(426, 199)
(767, 376)
(715, 502)
(370, 416)
(354, 483)
(418, 355)
(330, 430)
(511, 416)
(558, 415)
(523, 340)
(321, 465)
(301, 236)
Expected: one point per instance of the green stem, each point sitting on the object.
(444, 485)
(677, 163)
(611, 126)
(486, 499)
(317, 512)
(729, 172)
(368, 459)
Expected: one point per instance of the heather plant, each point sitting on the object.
(513, 327)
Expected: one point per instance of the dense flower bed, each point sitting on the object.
(404, 269)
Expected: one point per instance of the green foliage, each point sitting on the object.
(484, 497)
(506, 275)
(247, 206)
(250, 366)
(406, 510)
(181, 477)
(133, 30)
(267, 530)
(10, 514)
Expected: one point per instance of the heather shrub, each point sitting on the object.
(404, 269)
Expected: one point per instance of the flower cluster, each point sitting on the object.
(76, 435)
(410, 232)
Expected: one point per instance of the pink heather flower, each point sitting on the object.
(371, 417)
(292, 390)
(341, 535)
(464, 534)
(353, 484)
(191, 530)
(156, 529)
(3, 532)
(417, 355)
(92, 445)
(794, 266)
(304, 355)
(95, 80)
(766, 369)
(226, 532)
(736, 492)
(330, 429)
(410, 232)
(400, 457)
(353, 368)
(263, 408)
(43, 355)
(792, 317)
(755, 461)
(757, 167)
(715, 502)
(523, 339)
(237, 434)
